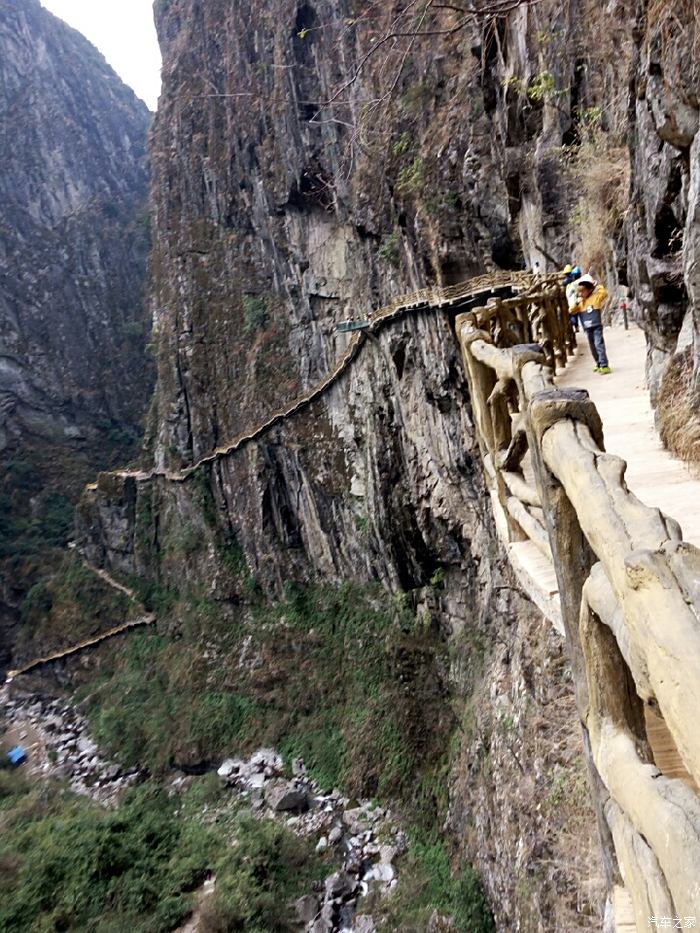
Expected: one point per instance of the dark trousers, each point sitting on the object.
(597, 345)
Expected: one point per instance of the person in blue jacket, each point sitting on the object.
(573, 274)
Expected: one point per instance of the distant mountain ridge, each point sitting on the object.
(73, 233)
(75, 379)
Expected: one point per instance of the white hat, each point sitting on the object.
(587, 280)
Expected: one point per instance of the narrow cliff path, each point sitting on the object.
(145, 618)
(655, 476)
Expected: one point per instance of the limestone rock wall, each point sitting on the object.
(73, 236)
(276, 217)
(75, 380)
(272, 224)
(662, 225)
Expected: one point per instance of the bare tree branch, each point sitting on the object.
(377, 45)
(491, 9)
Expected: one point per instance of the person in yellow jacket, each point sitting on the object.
(591, 298)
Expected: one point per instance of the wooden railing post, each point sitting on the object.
(491, 416)
(572, 556)
(630, 620)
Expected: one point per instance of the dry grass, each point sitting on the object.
(673, 33)
(671, 19)
(679, 423)
(599, 171)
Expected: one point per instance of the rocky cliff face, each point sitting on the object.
(283, 216)
(73, 238)
(278, 217)
(74, 379)
(662, 226)
(275, 218)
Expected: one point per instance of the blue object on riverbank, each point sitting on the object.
(17, 755)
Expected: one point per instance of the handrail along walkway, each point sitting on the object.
(629, 589)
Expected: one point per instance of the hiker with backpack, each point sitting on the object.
(588, 305)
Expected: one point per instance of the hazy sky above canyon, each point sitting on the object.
(123, 31)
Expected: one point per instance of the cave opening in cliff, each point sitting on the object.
(305, 22)
(452, 271)
(505, 253)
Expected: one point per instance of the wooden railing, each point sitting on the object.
(143, 618)
(628, 587)
(433, 298)
(629, 590)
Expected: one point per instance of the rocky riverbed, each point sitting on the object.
(364, 839)
(57, 738)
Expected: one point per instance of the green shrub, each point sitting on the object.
(67, 604)
(76, 862)
(255, 315)
(69, 864)
(402, 144)
(329, 685)
(427, 882)
(389, 249)
(26, 526)
(411, 177)
(37, 602)
(163, 710)
(257, 880)
(541, 86)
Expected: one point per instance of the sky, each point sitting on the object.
(123, 31)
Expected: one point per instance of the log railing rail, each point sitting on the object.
(629, 589)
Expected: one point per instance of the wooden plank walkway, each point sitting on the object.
(624, 911)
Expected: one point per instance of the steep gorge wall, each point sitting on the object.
(276, 218)
(74, 375)
(271, 228)
(662, 223)
(74, 234)
(275, 204)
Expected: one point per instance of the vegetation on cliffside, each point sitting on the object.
(69, 864)
(343, 677)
